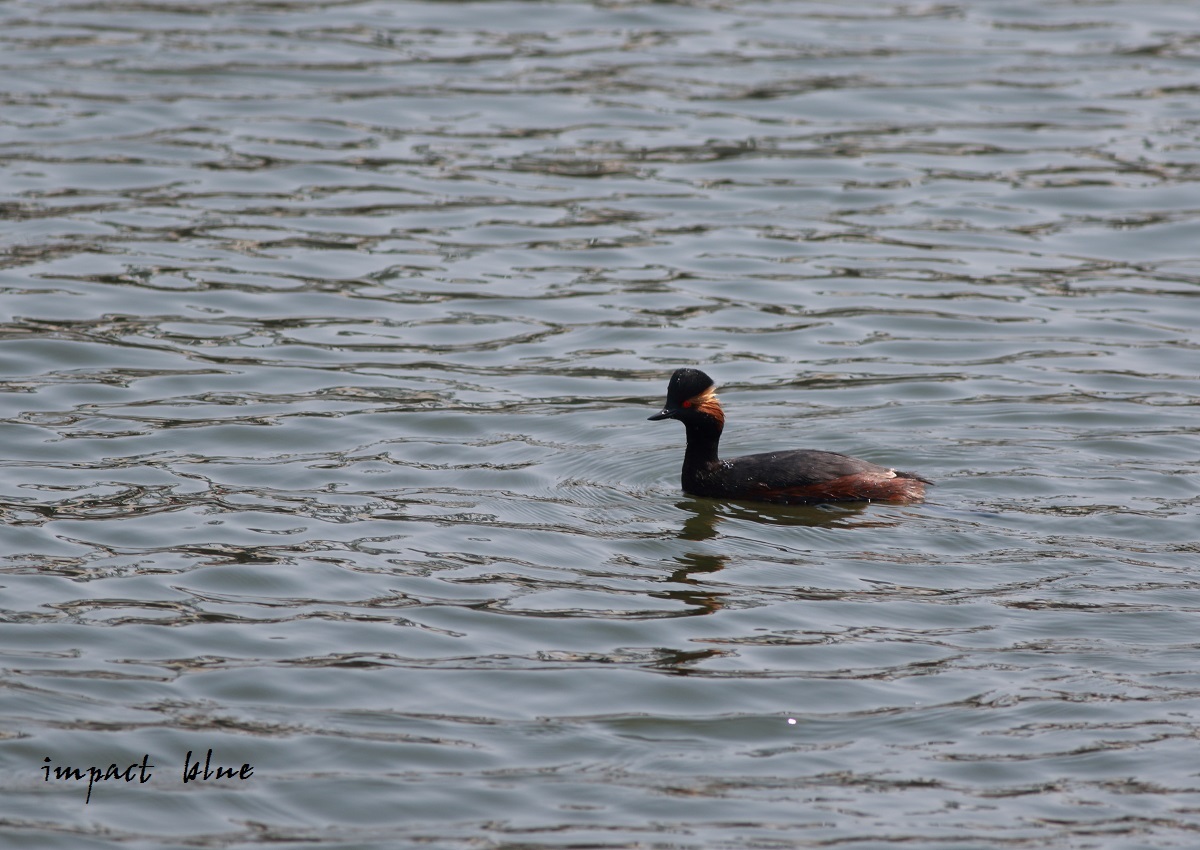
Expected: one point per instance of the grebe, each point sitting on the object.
(797, 477)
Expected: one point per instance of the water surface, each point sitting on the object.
(330, 332)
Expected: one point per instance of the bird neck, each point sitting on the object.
(703, 437)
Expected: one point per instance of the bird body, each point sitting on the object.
(798, 476)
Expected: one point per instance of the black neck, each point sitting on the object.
(703, 435)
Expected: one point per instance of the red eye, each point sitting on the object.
(687, 404)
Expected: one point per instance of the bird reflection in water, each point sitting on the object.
(705, 515)
(703, 518)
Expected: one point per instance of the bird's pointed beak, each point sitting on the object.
(667, 413)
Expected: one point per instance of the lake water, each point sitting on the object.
(330, 333)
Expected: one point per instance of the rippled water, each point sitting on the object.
(330, 332)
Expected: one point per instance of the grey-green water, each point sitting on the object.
(330, 331)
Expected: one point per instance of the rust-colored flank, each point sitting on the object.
(890, 486)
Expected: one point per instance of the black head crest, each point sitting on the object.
(685, 384)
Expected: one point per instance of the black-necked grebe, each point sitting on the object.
(798, 477)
